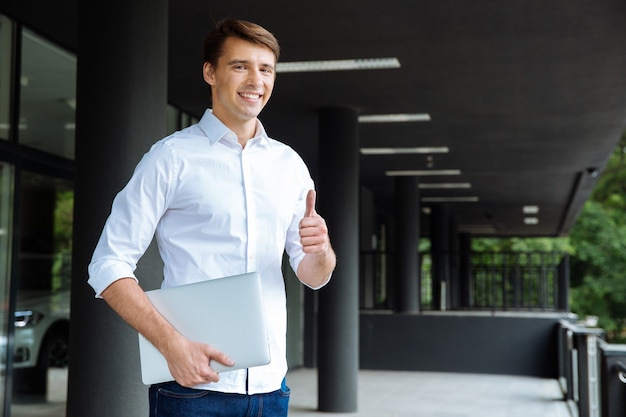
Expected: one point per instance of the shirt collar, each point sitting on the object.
(215, 130)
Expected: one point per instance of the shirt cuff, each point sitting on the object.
(104, 273)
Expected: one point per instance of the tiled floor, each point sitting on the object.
(393, 394)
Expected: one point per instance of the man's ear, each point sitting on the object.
(208, 73)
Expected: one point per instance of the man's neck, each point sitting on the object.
(244, 129)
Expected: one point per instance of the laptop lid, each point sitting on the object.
(226, 313)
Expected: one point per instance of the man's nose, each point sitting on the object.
(254, 77)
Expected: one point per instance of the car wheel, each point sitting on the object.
(56, 349)
(54, 353)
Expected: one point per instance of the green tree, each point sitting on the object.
(599, 242)
(518, 244)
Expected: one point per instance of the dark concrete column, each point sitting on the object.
(454, 289)
(121, 111)
(440, 253)
(408, 234)
(563, 284)
(465, 268)
(338, 324)
(391, 264)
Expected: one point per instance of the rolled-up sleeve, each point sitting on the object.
(130, 227)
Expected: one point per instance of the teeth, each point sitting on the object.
(249, 95)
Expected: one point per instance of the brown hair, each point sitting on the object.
(248, 31)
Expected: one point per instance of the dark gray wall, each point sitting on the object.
(464, 342)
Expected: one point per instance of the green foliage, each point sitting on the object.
(63, 228)
(598, 273)
(516, 244)
(63, 220)
(597, 245)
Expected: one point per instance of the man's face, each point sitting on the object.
(242, 81)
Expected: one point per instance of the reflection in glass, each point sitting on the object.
(42, 306)
(5, 75)
(6, 220)
(47, 97)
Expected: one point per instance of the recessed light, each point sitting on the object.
(396, 151)
(394, 118)
(468, 199)
(530, 209)
(531, 220)
(443, 185)
(423, 172)
(338, 65)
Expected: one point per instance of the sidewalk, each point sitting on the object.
(392, 394)
(429, 394)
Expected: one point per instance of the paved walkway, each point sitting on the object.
(428, 394)
(395, 394)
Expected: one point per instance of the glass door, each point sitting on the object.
(6, 220)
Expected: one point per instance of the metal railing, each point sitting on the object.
(592, 372)
(515, 280)
(612, 363)
(491, 281)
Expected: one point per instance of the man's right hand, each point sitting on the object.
(189, 361)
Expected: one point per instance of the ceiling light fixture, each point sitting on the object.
(530, 209)
(443, 185)
(396, 151)
(417, 173)
(338, 65)
(394, 118)
(468, 199)
(531, 220)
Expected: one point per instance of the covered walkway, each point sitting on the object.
(434, 394)
(397, 394)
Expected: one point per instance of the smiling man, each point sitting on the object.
(221, 198)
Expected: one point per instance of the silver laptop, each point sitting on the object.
(226, 313)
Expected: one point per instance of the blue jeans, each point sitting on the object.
(173, 400)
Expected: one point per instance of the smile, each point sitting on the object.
(250, 95)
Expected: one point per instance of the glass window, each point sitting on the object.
(47, 96)
(5, 75)
(43, 287)
(6, 220)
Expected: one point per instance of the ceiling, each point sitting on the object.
(529, 96)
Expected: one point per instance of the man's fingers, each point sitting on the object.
(224, 359)
(310, 204)
(195, 367)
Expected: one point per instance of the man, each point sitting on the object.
(222, 198)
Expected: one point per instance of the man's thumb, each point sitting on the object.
(310, 204)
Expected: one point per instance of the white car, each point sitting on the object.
(41, 336)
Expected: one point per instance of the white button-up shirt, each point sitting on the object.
(216, 210)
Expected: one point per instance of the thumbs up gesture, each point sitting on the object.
(313, 229)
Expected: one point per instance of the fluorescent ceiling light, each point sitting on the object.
(338, 65)
(444, 185)
(530, 209)
(394, 118)
(423, 172)
(395, 151)
(531, 220)
(469, 199)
